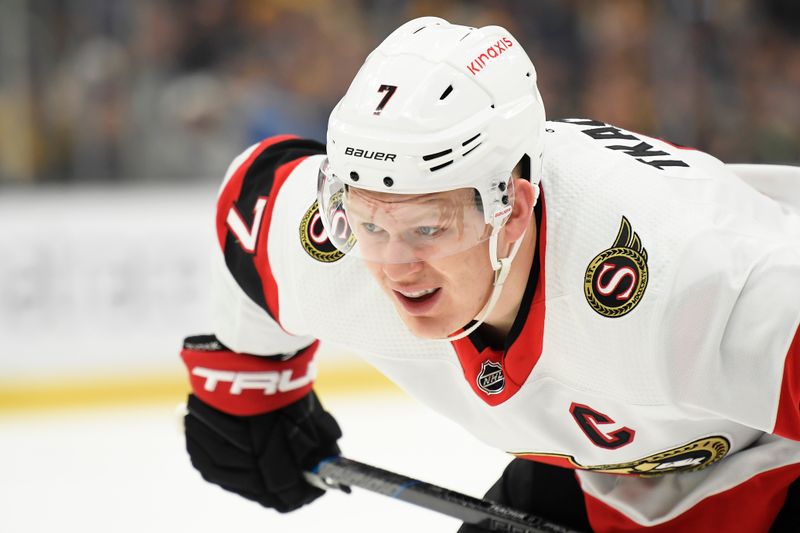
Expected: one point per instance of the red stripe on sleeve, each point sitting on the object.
(787, 423)
(750, 506)
(563, 461)
(268, 283)
(234, 186)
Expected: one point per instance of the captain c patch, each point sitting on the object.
(616, 278)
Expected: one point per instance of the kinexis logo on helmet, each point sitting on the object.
(492, 52)
(369, 154)
(491, 379)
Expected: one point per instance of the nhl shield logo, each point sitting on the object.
(491, 379)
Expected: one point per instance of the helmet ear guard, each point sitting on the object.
(523, 168)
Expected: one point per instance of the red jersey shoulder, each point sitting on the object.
(244, 211)
(787, 422)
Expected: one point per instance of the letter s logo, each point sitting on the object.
(588, 419)
(615, 280)
(618, 277)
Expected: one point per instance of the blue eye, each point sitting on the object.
(429, 231)
(369, 227)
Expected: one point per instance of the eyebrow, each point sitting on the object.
(411, 220)
(423, 196)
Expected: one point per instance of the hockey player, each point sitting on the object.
(618, 313)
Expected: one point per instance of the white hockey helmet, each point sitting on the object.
(435, 107)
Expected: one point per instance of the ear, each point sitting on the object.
(520, 218)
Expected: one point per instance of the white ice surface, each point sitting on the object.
(125, 470)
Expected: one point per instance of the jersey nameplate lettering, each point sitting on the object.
(635, 147)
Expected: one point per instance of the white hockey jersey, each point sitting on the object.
(656, 350)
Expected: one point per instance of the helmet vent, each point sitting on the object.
(471, 139)
(436, 155)
(471, 149)
(437, 167)
(446, 92)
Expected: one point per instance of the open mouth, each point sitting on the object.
(418, 302)
(418, 295)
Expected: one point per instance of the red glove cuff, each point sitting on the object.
(243, 384)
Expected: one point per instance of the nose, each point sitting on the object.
(397, 259)
(395, 250)
(401, 271)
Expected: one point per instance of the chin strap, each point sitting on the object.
(501, 267)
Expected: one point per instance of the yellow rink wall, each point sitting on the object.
(52, 394)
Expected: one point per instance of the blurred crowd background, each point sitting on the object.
(150, 90)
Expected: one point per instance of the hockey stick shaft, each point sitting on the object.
(336, 472)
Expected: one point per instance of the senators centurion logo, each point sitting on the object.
(616, 278)
(696, 455)
(314, 238)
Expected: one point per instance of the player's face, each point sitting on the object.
(404, 228)
(434, 294)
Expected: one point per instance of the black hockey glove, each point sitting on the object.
(262, 457)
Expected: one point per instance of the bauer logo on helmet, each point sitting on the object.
(369, 154)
